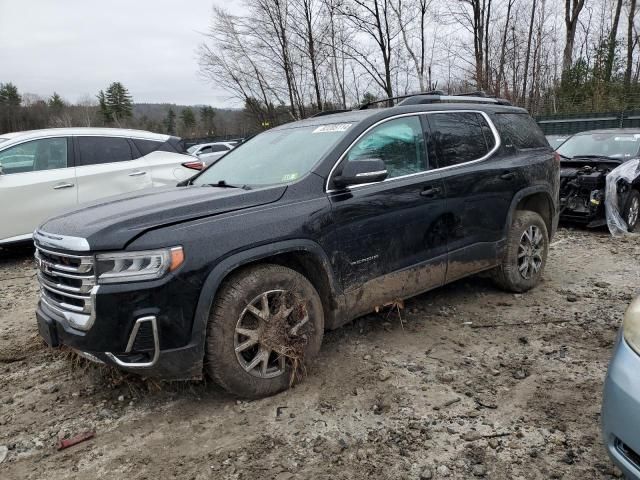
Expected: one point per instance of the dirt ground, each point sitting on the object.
(470, 382)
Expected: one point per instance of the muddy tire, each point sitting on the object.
(525, 254)
(631, 211)
(265, 326)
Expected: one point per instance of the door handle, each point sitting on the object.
(137, 173)
(63, 185)
(430, 192)
(508, 176)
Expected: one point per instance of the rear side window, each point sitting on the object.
(520, 131)
(219, 148)
(458, 137)
(96, 150)
(174, 144)
(145, 147)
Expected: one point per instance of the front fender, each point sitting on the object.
(225, 267)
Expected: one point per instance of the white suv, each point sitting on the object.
(43, 172)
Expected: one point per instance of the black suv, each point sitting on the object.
(238, 272)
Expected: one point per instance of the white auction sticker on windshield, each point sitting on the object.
(334, 127)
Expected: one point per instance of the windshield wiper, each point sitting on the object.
(224, 184)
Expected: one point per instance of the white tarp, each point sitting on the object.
(628, 171)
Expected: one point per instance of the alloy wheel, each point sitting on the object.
(264, 327)
(634, 210)
(530, 252)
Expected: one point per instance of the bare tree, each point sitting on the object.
(631, 43)
(613, 35)
(528, 52)
(571, 16)
(372, 19)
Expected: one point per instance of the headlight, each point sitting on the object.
(137, 266)
(631, 325)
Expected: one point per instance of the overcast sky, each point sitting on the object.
(77, 47)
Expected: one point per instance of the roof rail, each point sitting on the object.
(473, 97)
(328, 112)
(476, 93)
(438, 96)
(364, 106)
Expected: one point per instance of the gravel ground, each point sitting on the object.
(466, 382)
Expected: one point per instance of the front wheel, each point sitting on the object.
(266, 324)
(631, 211)
(525, 254)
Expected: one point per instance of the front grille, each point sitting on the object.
(66, 281)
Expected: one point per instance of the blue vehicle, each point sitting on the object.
(621, 403)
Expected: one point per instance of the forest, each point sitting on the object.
(289, 59)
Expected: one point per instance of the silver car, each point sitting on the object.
(621, 402)
(208, 152)
(43, 172)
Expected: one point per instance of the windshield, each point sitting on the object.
(555, 140)
(192, 149)
(611, 144)
(274, 157)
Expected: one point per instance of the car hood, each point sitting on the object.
(111, 223)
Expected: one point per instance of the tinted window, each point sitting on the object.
(174, 144)
(399, 143)
(146, 146)
(204, 150)
(219, 148)
(519, 130)
(44, 154)
(458, 137)
(95, 150)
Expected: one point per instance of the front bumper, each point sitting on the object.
(142, 353)
(620, 407)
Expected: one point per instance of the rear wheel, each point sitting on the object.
(631, 212)
(525, 254)
(267, 322)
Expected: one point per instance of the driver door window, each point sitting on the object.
(399, 143)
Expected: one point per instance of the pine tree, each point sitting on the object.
(105, 113)
(9, 95)
(118, 101)
(207, 115)
(170, 122)
(188, 120)
(55, 103)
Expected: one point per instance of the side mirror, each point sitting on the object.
(357, 172)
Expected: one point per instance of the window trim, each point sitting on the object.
(489, 154)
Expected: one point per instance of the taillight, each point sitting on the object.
(194, 165)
